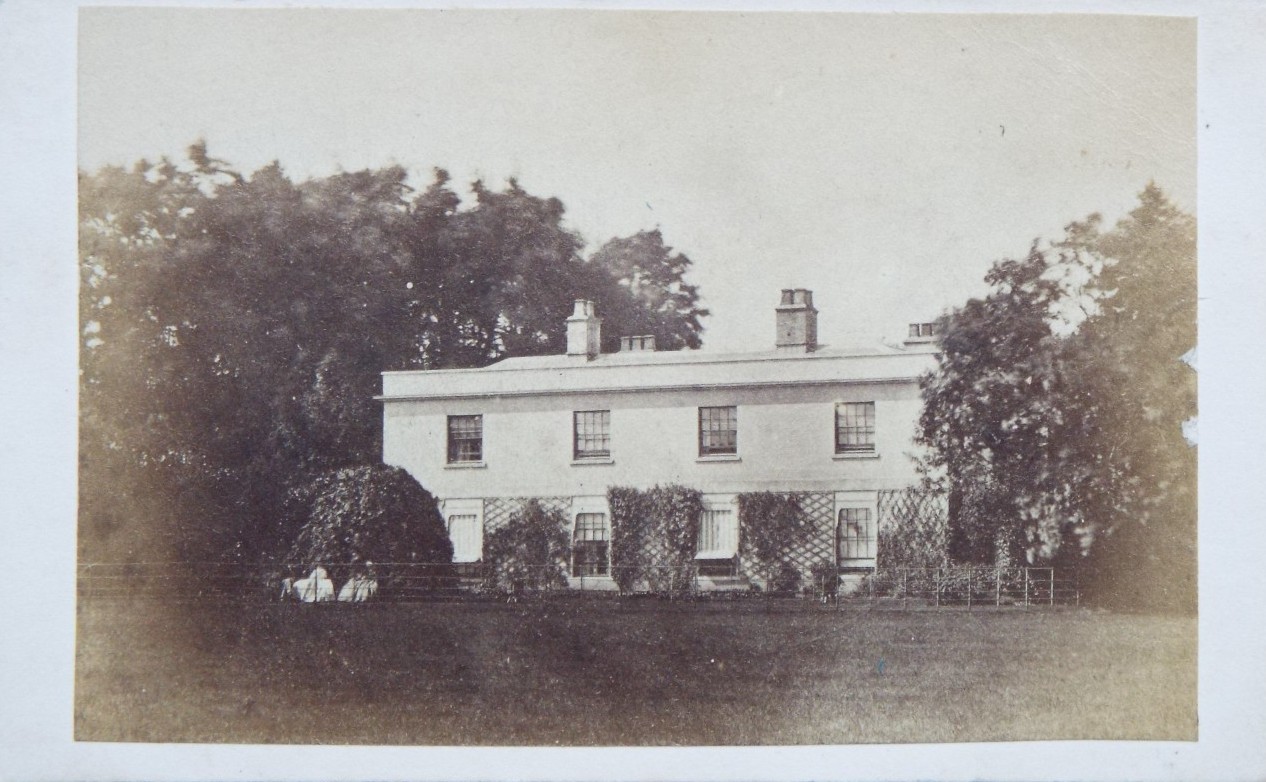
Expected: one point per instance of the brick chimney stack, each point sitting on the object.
(584, 331)
(797, 322)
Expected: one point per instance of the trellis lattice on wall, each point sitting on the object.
(817, 546)
(498, 510)
(665, 568)
(913, 528)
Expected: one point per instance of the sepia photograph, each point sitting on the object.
(638, 390)
(635, 378)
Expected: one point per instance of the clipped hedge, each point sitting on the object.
(367, 514)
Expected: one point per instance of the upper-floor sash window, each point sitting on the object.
(855, 427)
(592, 434)
(718, 431)
(465, 438)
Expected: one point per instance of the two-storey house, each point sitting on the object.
(832, 426)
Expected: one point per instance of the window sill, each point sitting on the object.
(859, 455)
(466, 466)
(594, 460)
(853, 566)
(603, 583)
(720, 457)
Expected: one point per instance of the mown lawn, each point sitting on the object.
(603, 672)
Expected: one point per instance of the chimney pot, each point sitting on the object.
(644, 343)
(922, 333)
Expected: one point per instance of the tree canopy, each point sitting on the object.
(1055, 415)
(234, 327)
(661, 303)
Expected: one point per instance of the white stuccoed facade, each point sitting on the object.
(785, 402)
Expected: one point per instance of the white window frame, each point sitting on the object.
(589, 456)
(863, 500)
(705, 454)
(582, 505)
(450, 452)
(721, 502)
(873, 451)
(464, 507)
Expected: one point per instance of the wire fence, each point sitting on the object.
(961, 586)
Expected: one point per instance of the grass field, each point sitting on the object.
(603, 672)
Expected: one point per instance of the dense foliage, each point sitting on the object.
(630, 525)
(913, 530)
(770, 525)
(654, 534)
(368, 514)
(989, 408)
(825, 575)
(530, 550)
(1056, 413)
(662, 304)
(233, 328)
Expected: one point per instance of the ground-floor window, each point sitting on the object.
(718, 542)
(463, 531)
(591, 545)
(856, 534)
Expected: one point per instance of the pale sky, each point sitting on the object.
(883, 161)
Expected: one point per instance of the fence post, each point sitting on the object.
(969, 580)
(1026, 587)
(1052, 586)
(997, 586)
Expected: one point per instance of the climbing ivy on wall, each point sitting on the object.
(769, 525)
(629, 522)
(653, 536)
(530, 550)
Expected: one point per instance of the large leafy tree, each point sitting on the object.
(132, 465)
(1138, 493)
(241, 345)
(991, 408)
(660, 301)
(234, 327)
(1059, 437)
